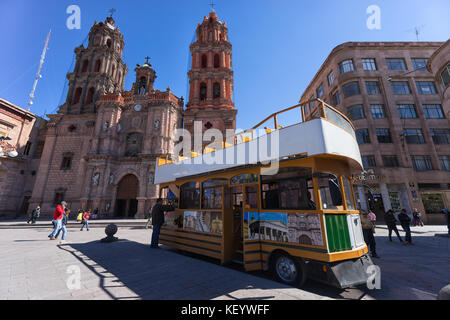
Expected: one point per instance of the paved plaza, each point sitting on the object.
(32, 267)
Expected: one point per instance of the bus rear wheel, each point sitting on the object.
(288, 270)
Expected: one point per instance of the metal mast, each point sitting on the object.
(38, 74)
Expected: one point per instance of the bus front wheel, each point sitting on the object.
(288, 270)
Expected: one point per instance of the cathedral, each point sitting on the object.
(101, 147)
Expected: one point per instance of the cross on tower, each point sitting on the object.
(212, 4)
(147, 58)
(112, 11)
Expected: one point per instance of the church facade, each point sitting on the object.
(101, 147)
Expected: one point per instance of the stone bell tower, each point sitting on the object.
(211, 78)
(99, 69)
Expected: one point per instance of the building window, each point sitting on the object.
(384, 136)
(351, 89)
(216, 61)
(445, 76)
(203, 91)
(433, 111)
(216, 90)
(320, 91)
(336, 98)
(406, 111)
(204, 61)
(77, 96)
(59, 197)
(27, 149)
(346, 66)
(331, 78)
(377, 111)
(66, 163)
(413, 136)
(372, 87)
(400, 87)
(98, 65)
(422, 163)
(396, 64)
(445, 162)
(85, 66)
(426, 87)
(369, 162)
(362, 136)
(390, 161)
(369, 64)
(419, 63)
(440, 136)
(90, 96)
(356, 112)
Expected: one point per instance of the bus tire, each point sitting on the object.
(288, 270)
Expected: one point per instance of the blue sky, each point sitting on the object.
(278, 45)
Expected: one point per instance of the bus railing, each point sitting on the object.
(308, 110)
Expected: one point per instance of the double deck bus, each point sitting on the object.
(292, 213)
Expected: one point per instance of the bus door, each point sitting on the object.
(251, 224)
(238, 231)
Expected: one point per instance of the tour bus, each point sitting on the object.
(291, 212)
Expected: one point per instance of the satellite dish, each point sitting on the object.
(13, 154)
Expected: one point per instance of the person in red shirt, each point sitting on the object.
(86, 217)
(57, 219)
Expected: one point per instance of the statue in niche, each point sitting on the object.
(151, 178)
(111, 179)
(119, 127)
(96, 179)
(106, 126)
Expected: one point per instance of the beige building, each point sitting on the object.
(21, 141)
(397, 95)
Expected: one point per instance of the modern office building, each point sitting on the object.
(396, 94)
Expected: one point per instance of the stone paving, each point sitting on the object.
(33, 267)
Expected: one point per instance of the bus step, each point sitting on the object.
(238, 261)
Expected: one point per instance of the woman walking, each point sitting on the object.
(391, 223)
(86, 217)
(417, 218)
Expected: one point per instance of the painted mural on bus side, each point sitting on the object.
(282, 227)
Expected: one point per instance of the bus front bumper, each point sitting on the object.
(342, 274)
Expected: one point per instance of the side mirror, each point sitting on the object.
(335, 191)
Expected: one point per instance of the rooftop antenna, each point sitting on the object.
(417, 30)
(38, 74)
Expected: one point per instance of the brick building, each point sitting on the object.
(101, 147)
(400, 109)
(21, 141)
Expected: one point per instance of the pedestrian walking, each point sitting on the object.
(149, 221)
(417, 218)
(57, 219)
(80, 215)
(368, 231)
(405, 221)
(158, 220)
(65, 219)
(34, 215)
(391, 223)
(85, 222)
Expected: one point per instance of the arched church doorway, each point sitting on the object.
(127, 192)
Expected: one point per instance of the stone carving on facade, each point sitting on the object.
(96, 179)
(111, 179)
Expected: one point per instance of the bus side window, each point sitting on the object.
(190, 195)
(330, 191)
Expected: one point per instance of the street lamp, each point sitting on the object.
(406, 73)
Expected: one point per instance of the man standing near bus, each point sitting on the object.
(158, 220)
